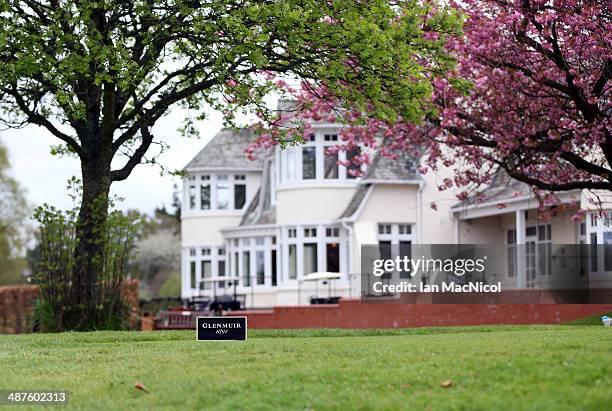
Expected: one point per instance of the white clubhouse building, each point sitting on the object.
(295, 211)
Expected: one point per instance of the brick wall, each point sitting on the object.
(356, 314)
(17, 306)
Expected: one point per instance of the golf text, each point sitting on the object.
(412, 266)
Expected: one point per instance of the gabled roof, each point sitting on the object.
(356, 200)
(260, 210)
(398, 169)
(383, 169)
(501, 188)
(226, 150)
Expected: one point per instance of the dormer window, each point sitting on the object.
(313, 160)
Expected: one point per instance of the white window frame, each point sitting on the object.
(196, 181)
(394, 236)
(251, 245)
(320, 239)
(320, 146)
(598, 226)
(198, 256)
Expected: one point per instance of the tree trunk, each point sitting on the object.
(89, 251)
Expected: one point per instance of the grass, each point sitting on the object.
(505, 367)
(592, 320)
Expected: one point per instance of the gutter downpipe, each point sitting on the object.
(420, 211)
(351, 250)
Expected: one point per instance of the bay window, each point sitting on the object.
(317, 160)
(203, 264)
(255, 260)
(216, 192)
(310, 249)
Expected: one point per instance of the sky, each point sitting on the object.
(44, 176)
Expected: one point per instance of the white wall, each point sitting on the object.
(487, 230)
(205, 230)
(390, 203)
(320, 203)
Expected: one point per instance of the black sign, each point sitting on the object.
(221, 328)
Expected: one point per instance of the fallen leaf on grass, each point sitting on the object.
(446, 384)
(140, 386)
(406, 385)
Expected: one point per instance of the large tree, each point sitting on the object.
(531, 96)
(99, 74)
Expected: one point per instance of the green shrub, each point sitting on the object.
(54, 270)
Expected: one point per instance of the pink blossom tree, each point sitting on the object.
(531, 94)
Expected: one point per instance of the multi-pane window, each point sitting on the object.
(203, 264)
(310, 232)
(319, 159)
(332, 232)
(313, 249)
(217, 192)
(395, 240)
(405, 229)
(254, 261)
(544, 249)
(538, 251)
(384, 228)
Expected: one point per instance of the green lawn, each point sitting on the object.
(491, 368)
